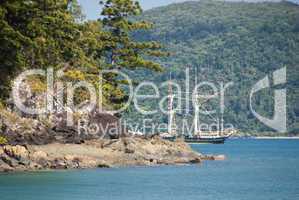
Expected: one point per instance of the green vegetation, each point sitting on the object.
(3, 140)
(229, 41)
(42, 34)
(121, 50)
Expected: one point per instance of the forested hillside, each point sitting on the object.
(229, 41)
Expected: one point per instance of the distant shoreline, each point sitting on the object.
(277, 138)
(268, 138)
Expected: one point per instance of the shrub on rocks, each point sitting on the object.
(3, 141)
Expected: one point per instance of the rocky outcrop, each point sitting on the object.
(37, 145)
(46, 142)
(213, 157)
(97, 153)
(20, 130)
(107, 126)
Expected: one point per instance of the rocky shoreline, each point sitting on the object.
(32, 144)
(98, 154)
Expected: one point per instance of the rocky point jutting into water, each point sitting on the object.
(96, 153)
(33, 144)
(46, 142)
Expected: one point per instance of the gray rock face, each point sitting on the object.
(23, 129)
(108, 127)
(28, 131)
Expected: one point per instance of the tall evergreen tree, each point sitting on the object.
(122, 50)
(43, 34)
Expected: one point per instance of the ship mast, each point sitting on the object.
(196, 109)
(171, 111)
(196, 116)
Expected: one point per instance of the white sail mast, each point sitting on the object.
(171, 112)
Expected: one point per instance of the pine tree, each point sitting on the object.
(122, 50)
(43, 34)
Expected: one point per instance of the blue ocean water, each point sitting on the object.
(255, 169)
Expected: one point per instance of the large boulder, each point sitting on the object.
(18, 152)
(88, 126)
(22, 131)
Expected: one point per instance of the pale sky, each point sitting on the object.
(92, 9)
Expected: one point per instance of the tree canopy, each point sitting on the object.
(52, 33)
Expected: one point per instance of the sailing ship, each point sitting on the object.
(213, 139)
(198, 136)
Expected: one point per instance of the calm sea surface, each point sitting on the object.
(255, 169)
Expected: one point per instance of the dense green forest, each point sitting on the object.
(43, 34)
(228, 41)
